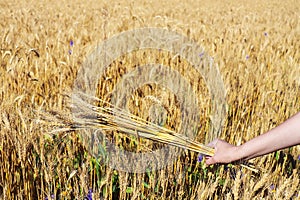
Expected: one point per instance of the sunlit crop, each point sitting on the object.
(43, 45)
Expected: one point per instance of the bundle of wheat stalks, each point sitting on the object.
(107, 117)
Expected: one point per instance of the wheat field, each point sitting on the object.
(256, 45)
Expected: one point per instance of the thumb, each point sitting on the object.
(213, 143)
(210, 161)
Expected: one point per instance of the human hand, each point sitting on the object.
(224, 152)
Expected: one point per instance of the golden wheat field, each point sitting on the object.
(255, 44)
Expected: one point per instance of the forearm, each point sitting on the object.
(285, 135)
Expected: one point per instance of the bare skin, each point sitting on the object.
(285, 135)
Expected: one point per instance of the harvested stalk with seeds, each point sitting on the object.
(110, 117)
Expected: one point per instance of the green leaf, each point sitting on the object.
(114, 188)
(129, 190)
(102, 150)
(277, 155)
(146, 185)
(148, 172)
(104, 191)
(221, 182)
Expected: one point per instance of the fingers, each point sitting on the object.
(210, 161)
(224, 152)
(218, 145)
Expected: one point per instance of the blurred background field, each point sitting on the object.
(256, 45)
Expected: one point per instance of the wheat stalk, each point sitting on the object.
(110, 117)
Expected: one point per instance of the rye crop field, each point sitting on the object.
(255, 44)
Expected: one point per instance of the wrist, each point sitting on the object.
(237, 153)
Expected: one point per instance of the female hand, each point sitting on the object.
(224, 152)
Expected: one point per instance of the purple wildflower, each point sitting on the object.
(272, 187)
(265, 34)
(299, 157)
(201, 54)
(71, 43)
(247, 57)
(52, 197)
(89, 196)
(200, 158)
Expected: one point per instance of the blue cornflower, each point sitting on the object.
(299, 158)
(200, 158)
(52, 197)
(89, 196)
(71, 43)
